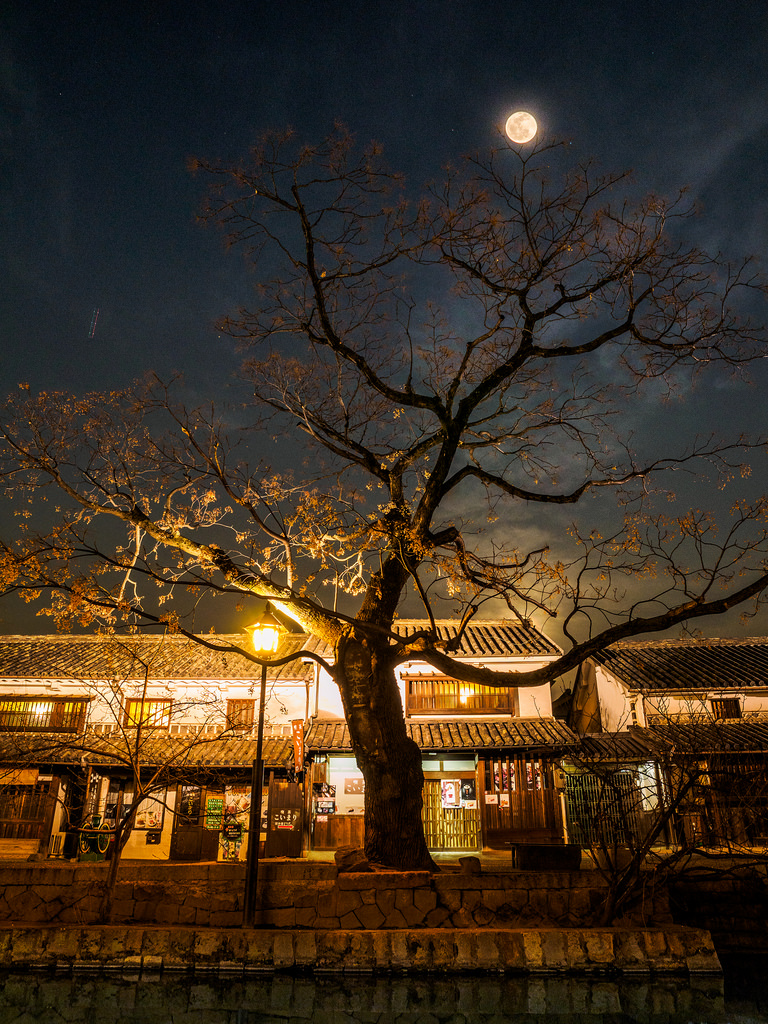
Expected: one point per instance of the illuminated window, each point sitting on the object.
(430, 695)
(38, 714)
(153, 714)
(240, 714)
(726, 707)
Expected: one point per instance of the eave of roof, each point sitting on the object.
(158, 749)
(65, 657)
(693, 665)
(457, 736)
(487, 638)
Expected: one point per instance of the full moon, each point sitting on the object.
(521, 126)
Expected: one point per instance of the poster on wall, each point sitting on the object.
(450, 792)
(356, 785)
(323, 790)
(234, 819)
(468, 794)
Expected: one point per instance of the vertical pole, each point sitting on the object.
(254, 820)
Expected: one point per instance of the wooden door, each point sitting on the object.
(285, 817)
(192, 839)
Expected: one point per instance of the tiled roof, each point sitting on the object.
(168, 657)
(174, 657)
(487, 638)
(24, 749)
(525, 733)
(704, 736)
(633, 745)
(689, 664)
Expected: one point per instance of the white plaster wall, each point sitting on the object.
(615, 707)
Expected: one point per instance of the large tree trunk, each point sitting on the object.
(389, 760)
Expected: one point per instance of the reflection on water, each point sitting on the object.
(284, 999)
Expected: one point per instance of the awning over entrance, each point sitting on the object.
(112, 750)
(543, 734)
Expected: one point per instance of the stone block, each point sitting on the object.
(471, 899)
(327, 923)
(227, 919)
(306, 917)
(305, 949)
(403, 899)
(554, 949)
(413, 916)
(598, 944)
(470, 866)
(450, 898)
(167, 913)
(424, 900)
(370, 916)
(282, 950)
(437, 918)
(629, 950)
(557, 906)
(347, 900)
(258, 949)
(488, 956)
(466, 953)
(483, 917)
(28, 946)
(385, 901)
(362, 955)
(326, 904)
(462, 918)
(349, 921)
(394, 920)
(532, 951)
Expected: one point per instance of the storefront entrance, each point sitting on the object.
(520, 801)
(453, 825)
(196, 823)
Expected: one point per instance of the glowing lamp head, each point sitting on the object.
(265, 634)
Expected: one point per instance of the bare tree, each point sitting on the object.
(448, 366)
(684, 798)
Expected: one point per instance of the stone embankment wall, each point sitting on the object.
(307, 895)
(239, 951)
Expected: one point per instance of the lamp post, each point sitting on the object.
(265, 635)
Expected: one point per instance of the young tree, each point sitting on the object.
(132, 744)
(467, 357)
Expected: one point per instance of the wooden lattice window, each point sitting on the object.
(240, 714)
(151, 714)
(431, 695)
(726, 707)
(40, 714)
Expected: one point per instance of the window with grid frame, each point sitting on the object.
(41, 714)
(433, 694)
(151, 714)
(240, 714)
(726, 707)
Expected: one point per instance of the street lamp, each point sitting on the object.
(265, 635)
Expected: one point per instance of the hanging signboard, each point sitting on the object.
(297, 730)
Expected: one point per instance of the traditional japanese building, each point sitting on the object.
(89, 723)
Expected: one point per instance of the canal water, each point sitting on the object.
(38, 998)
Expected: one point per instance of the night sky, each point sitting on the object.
(102, 105)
